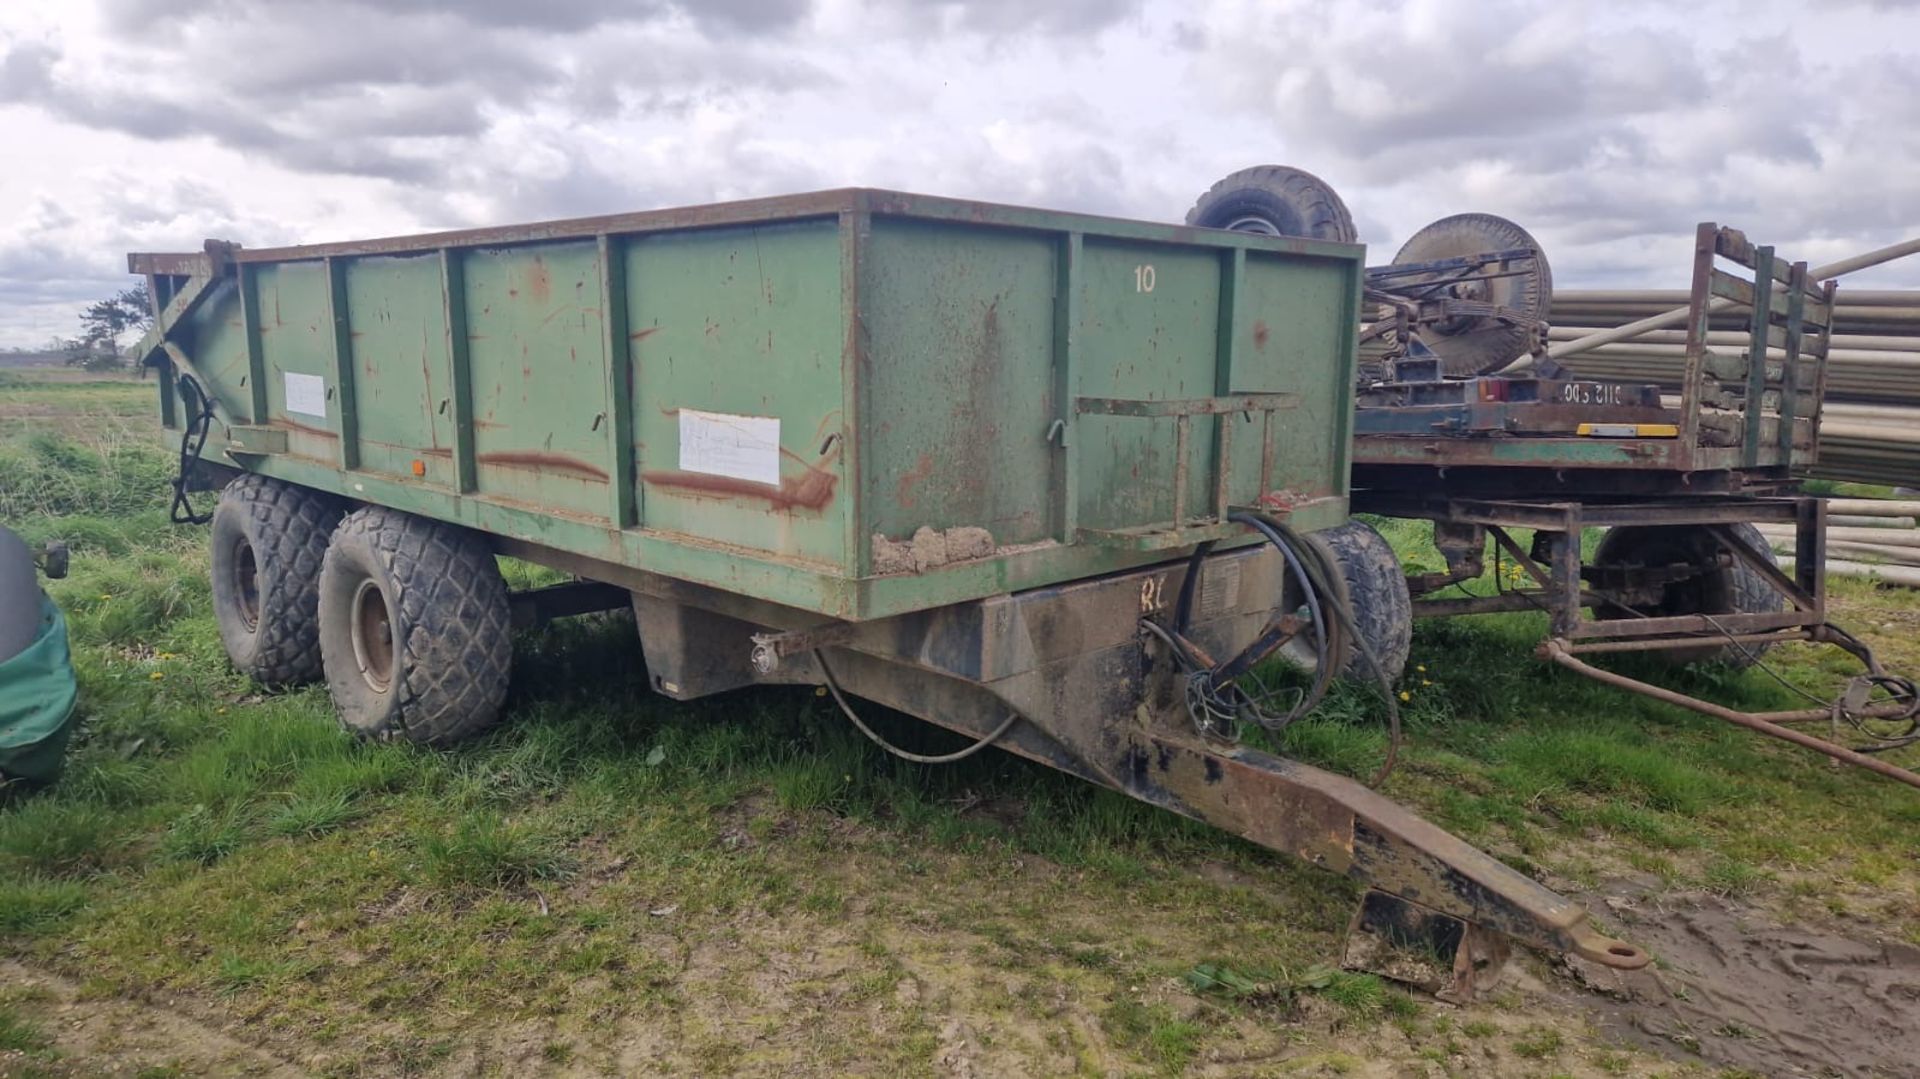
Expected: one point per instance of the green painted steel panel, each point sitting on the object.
(537, 348)
(959, 335)
(296, 338)
(924, 362)
(215, 333)
(1286, 344)
(401, 379)
(1149, 324)
(743, 322)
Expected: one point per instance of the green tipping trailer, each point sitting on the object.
(1026, 475)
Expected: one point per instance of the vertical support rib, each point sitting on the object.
(1820, 348)
(1233, 276)
(1182, 446)
(337, 313)
(613, 313)
(250, 329)
(1266, 453)
(1810, 552)
(855, 226)
(1693, 386)
(453, 292)
(1564, 572)
(169, 408)
(1757, 354)
(1790, 373)
(1066, 381)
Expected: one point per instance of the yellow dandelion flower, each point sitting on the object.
(157, 675)
(1421, 667)
(1405, 696)
(1426, 681)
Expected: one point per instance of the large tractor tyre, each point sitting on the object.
(414, 628)
(1473, 346)
(1371, 584)
(269, 539)
(1275, 200)
(20, 613)
(1732, 589)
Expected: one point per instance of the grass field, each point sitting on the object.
(616, 883)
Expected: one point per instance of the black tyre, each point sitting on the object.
(1373, 586)
(1275, 200)
(414, 628)
(19, 597)
(1473, 346)
(269, 539)
(1730, 589)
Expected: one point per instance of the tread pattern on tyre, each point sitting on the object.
(1747, 591)
(1322, 213)
(1376, 589)
(452, 622)
(290, 527)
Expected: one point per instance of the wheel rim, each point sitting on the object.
(373, 636)
(1254, 223)
(246, 584)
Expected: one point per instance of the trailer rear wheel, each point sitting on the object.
(269, 539)
(1730, 589)
(414, 628)
(1275, 200)
(1374, 588)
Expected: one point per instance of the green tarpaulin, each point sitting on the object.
(36, 702)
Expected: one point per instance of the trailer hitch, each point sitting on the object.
(1437, 911)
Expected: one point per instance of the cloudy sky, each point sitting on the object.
(1608, 129)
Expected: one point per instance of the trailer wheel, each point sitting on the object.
(1733, 589)
(414, 628)
(1275, 200)
(1374, 588)
(269, 539)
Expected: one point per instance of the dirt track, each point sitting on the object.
(1739, 989)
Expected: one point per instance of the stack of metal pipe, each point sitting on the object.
(1871, 429)
(1866, 537)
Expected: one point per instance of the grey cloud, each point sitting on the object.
(1055, 16)
(999, 18)
(559, 17)
(377, 97)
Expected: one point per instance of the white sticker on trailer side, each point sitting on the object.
(739, 447)
(307, 395)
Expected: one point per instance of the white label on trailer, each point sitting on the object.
(307, 395)
(742, 447)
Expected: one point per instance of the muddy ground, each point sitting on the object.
(1733, 992)
(1736, 987)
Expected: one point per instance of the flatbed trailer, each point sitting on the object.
(1451, 427)
(1677, 484)
(1051, 481)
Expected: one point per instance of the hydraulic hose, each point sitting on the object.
(1214, 686)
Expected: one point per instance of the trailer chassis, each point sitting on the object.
(1097, 695)
(1595, 609)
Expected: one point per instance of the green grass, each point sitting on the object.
(608, 856)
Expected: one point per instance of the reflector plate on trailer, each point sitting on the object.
(1628, 430)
